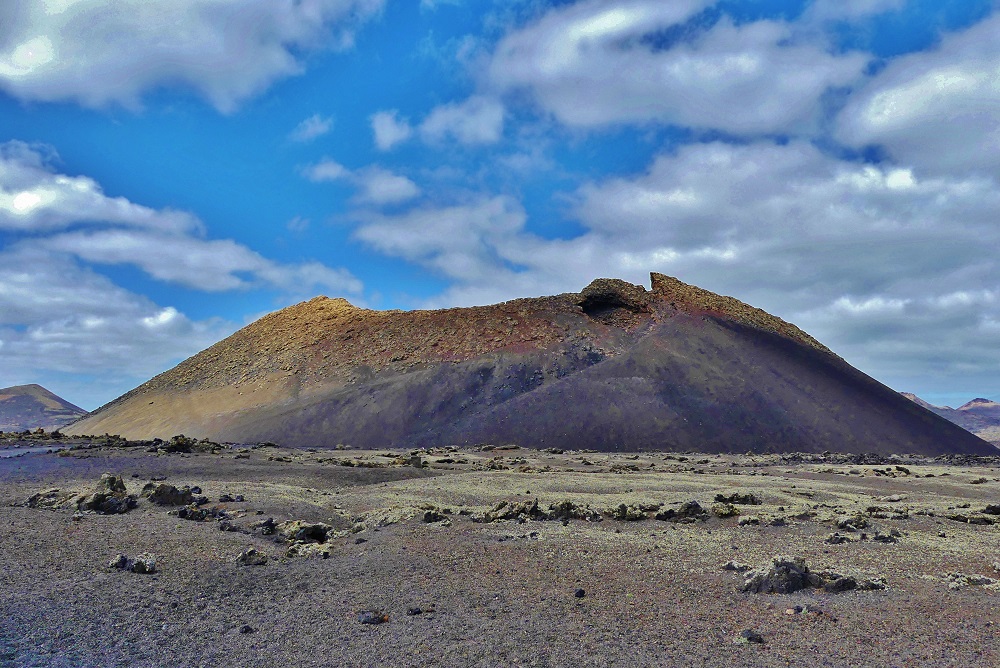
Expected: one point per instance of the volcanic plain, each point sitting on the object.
(489, 556)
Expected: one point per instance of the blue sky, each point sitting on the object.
(171, 170)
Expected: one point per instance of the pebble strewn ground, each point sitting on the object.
(487, 557)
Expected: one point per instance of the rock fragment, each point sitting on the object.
(144, 563)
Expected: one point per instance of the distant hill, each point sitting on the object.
(32, 406)
(613, 367)
(980, 416)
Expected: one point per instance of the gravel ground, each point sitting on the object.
(502, 592)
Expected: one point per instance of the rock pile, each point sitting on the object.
(787, 575)
(110, 497)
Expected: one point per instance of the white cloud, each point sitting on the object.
(167, 245)
(477, 120)
(34, 198)
(935, 110)
(311, 128)
(592, 64)
(326, 170)
(57, 317)
(97, 53)
(380, 186)
(389, 129)
(374, 184)
(460, 242)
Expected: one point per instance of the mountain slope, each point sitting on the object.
(980, 416)
(614, 367)
(31, 406)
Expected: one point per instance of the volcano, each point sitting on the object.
(32, 406)
(614, 367)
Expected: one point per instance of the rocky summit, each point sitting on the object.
(615, 367)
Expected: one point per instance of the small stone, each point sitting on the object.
(372, 617)
(246, 628)
(579, 593)
(749, 636)
(413, 611)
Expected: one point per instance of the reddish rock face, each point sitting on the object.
(614, 367)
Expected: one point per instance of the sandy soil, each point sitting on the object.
(501, 593)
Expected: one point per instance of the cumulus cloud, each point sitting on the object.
(462, 242)
(326, 170)
(35, 198)
(374, 185)
(98, 53)
(936, 110)
(380, 186)
(593, 63)
(311, 128)
(477, 120)
(389, 129)
(58, 317)
(71, 216)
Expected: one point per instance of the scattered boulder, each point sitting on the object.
(182, 443)
(163, 494)
(110, 497)
(690, 511)
(567, 510)
(735, 566)
(962, 580)
(787, 575)
(144, 563)
(522, 511)
(251, 557)
(852, 523)
(308, 539)
(748, 637)
(748, 499)
(626, 513)
(50, 498)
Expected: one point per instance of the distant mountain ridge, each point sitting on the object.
(980, 416)
(25, 407)
(613, 367)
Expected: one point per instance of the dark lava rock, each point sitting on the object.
(690, 511)
(163, 494)
(144, 563)
(246, 628)
(111, 497)
(579, 593)
(251, 557)
(748, 637)
(993, 509)
(431, 516)
(747, 499)
(785, 576)
(788, 575)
